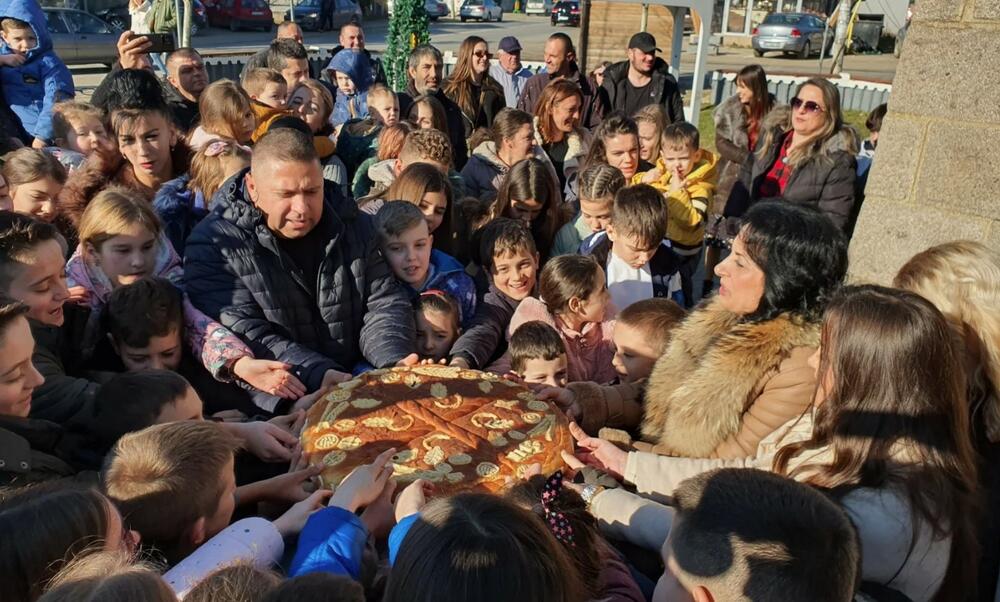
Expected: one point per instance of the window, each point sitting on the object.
(54, 23)
(781, 19)
(82, 23)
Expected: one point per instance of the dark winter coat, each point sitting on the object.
(663, 88)
(63, 355)
(236, 272)
(184, 111)
(594, 105)
(36, 451)
(176, 205)
(664, 266)
(824, 181)
(453, 115)
(484, 340)
(487, 103)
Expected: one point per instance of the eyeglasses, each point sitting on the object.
(810, 106)
(482, 53)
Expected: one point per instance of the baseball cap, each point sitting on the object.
(644, 42)
(510, 44)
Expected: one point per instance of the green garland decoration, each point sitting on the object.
(408, 28)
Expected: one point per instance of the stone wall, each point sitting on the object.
(936, 175)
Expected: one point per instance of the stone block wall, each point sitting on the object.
(936, 175)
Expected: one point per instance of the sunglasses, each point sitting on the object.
(480, 54)
(810, 106)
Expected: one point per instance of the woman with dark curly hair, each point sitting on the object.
(735, 369)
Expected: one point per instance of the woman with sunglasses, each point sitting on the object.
(805, 155)
(470, 86)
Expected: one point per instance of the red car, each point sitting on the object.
(240, 14)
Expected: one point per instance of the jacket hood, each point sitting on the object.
(31, 13)
(577, 141)
(356, 65)
(487, 152)
(174, 193)
(704, 169)
(845, 139)
(383, 172)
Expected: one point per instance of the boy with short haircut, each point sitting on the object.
(144, 322)
(407, 246)
(538, 355)
(175, 482)
(33, 77)
(507, 255)
(268, 92)
(642, 333)
(743, 534)
(686, 174)
(358, 138)
(638, 260)
(78, 130)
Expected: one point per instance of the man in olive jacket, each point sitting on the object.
(292, 267)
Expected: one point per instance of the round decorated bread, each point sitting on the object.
(459, 429)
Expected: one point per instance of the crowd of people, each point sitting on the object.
(187, 266)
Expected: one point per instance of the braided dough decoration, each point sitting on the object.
(460, 429)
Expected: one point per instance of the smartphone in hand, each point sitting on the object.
(161, 42)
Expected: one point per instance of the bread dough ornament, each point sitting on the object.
(459, 429)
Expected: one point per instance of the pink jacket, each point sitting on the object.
(588, 353)
(212, 343)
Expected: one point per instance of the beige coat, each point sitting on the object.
(882, 516)
(721, 387)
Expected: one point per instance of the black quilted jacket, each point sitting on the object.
(235, 272)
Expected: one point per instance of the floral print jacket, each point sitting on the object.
(215, 346)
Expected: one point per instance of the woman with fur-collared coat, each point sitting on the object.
(736, 368)
(806, 155)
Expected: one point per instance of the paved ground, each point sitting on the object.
(532, 31)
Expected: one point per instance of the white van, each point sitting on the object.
(538, 7)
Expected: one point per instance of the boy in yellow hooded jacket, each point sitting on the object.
(686, 175)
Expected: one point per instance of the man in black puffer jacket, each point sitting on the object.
(294, 268)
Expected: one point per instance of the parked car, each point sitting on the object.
(307, 14)
(788, 33)
(481, 10)
(538, 7)
(566, 11)
(241, 14)
(80, 38)
(119, 19)
(436, 10)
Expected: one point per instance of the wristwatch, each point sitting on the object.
(589, 491)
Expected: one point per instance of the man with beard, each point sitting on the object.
(643, 80)
(560, 63)
(186, 79)
(424, 76)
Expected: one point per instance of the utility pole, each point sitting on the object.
(840, 38)
(185, 41)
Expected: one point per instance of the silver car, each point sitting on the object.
(436, 10)
(80, 38)
(481, 10)
(797, 33)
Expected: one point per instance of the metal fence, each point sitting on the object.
(855, 95)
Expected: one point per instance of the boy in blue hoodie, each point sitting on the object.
(407, 243)
(352, 71)
(34, 79)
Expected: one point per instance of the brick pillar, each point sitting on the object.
(936, 175)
